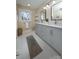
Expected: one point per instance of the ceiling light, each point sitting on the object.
(28, 5)
(54, 2)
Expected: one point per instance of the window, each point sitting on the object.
(25, 15)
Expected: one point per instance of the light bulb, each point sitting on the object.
(47, 6)
(28, 5)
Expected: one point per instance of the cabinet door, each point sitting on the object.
(46, 34)
(39, 30)
(43, 32)
(56, 39)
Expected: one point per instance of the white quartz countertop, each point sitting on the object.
(51, 25)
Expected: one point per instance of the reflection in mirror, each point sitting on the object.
(43, 15)
(57, 11)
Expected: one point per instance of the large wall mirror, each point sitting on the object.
(57, 10)
(43, 15)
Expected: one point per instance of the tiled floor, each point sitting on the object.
(22, 48)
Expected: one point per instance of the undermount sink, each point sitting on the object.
(59, 23)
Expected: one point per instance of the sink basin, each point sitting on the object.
(59, 23)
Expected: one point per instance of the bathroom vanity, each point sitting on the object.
(51, 34)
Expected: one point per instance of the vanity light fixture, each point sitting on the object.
(44, 7)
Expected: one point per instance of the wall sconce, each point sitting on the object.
(47, 5)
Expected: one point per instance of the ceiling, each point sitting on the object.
(34, 3)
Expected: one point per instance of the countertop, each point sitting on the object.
(51, 25)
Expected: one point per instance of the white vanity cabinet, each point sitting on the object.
(51, 35)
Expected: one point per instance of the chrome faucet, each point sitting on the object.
(55, 21)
